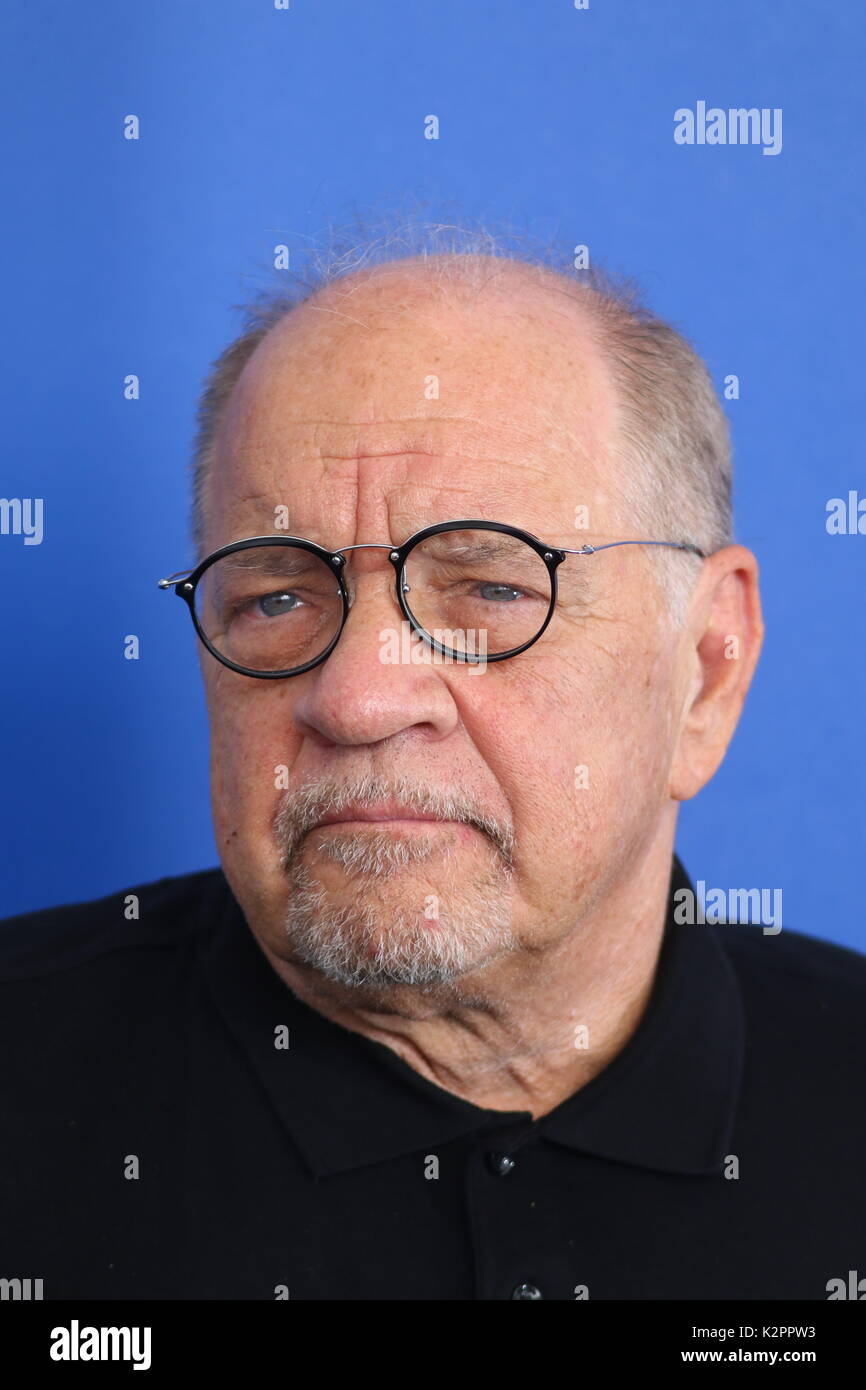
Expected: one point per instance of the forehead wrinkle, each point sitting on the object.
(518, 468)
(409, 493)
(429, 429)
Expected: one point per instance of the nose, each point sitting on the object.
(369, 688)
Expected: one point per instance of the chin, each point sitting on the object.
(374, 934)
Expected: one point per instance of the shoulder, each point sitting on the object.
(800, 980)
(147, 917)
(795, 956)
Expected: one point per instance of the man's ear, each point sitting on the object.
(721, 643)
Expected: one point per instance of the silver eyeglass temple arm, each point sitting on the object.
(609, 545)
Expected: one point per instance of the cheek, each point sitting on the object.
(625, 722)
(580, 744)
(252, 747)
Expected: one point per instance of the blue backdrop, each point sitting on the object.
(257, 126)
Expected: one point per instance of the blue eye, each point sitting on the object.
(274, 605)
(499, 593)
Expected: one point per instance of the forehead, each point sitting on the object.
(397, 398)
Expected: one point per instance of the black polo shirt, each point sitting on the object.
(157, 1143)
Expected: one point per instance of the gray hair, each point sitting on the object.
(673, 435)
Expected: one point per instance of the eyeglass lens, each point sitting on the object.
(477, 590)
(269, 608)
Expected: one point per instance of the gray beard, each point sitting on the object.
(374, 943)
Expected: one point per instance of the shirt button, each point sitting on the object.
(526, 1291)
(499, 1164)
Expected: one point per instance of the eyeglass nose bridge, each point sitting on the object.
(338, 557)
(367, 545)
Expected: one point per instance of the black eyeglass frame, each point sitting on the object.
(186, 581)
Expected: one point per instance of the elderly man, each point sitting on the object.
(447, 1024)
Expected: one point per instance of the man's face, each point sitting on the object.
(369, 413)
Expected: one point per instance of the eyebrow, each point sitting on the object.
(479, 550)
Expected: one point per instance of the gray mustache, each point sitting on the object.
(302, 809)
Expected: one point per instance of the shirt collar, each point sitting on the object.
(667, 1101)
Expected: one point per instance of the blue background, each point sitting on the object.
(259, 126)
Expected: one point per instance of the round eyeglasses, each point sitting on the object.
(474, 591)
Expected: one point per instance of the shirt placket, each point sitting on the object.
(517, 1255)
